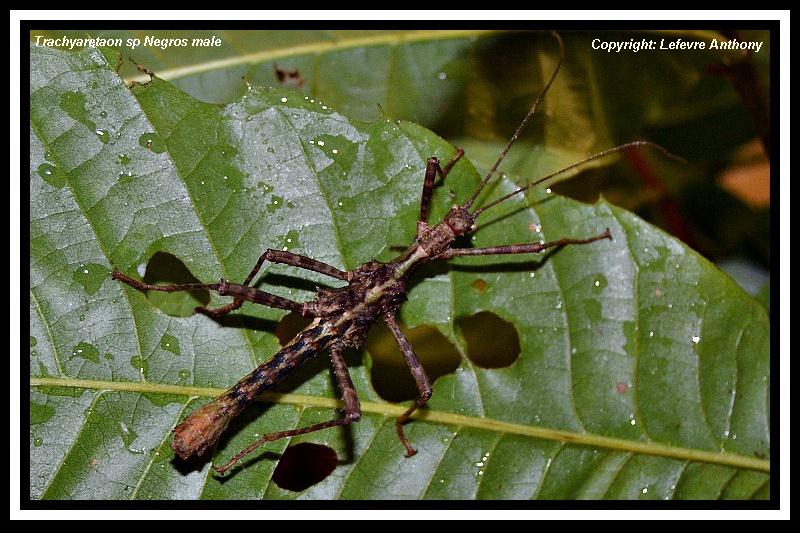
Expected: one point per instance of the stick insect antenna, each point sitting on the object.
(521, 127)
(598, 155)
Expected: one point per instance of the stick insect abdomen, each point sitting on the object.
(201, 430)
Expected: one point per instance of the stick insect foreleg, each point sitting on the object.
(526, 248)
(431, 170)
(352, 410)
(421, 378)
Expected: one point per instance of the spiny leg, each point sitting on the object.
(423, 385)
(240, 293)
(527, 248)
(275, 256)
(352, 411)
(291, 259)
(431, 170)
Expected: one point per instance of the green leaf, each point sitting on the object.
(643, 373)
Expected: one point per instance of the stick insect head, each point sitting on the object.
(460, 220)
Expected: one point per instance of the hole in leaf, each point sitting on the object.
(491, 341)
(304, 465)
(289, 326)
(390, 375)
(165, 269)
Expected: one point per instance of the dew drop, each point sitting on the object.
(442, 75)
(695, 339)
(105, 137)
(52, 175)
(84, 350)
(284, 100)
(152, 142)
(90, 276)
(170, 344)
(139, 363)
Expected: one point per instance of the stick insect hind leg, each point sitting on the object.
(274, 256)
(351, 410)
(243, 292)
(420, 377)
(223, 288)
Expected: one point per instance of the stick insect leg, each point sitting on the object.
(352, 411)
(431, 170)
(288, 258)
(423, 384)
(240, 293)
(522, 248)
(275, 256)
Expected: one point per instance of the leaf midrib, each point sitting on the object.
(442, 417)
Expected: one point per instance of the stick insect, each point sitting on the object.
(342, 316)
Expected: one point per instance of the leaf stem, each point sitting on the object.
(391, 410)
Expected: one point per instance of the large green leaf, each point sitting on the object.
(643, 373)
